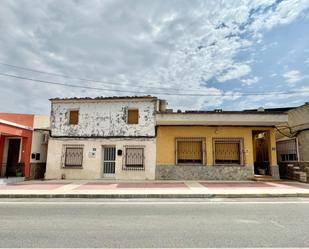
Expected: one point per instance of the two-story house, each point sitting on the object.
(102, 137)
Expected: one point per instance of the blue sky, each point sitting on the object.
(204, 54)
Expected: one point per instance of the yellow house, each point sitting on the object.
(216, 145)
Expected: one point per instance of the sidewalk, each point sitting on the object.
(152, 189)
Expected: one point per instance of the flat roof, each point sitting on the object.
(104, 98)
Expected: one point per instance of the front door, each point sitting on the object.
(109, 156)
(13, 157)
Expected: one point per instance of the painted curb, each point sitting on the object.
(152, 196)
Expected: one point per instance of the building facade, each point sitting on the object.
(111, 137)
(293, 144)
(21, 144)
(216, 145)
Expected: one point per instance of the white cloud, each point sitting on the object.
(293, 76)
(250, 81)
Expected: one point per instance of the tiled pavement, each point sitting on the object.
(150, 189)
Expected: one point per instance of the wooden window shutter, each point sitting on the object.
(133, 116)
(74, 117)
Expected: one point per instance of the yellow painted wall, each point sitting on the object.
(166, 136)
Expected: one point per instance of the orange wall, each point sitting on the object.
(22, 119)
(7, 130)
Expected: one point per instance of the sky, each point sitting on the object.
(198, 55)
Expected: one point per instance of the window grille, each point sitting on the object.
(134, 158)
(287, 150)
(189, 150)
(73, 156)
(227, 151)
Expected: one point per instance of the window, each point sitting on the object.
(227, 151)
(73, 156)
(189, 150)
(287, 150)
(133, 116)
(134, 158)
(73, 117)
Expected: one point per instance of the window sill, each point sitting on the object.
(133, 168)
(72, 167)
(190, 164)
(229, 165)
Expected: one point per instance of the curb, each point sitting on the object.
(152, 196)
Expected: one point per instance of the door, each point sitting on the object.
(13, 157)
(109, 156)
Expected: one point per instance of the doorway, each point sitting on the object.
(109, 163)
(261, 155)
(12, 156)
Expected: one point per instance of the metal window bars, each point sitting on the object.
(134, 158)
(228, 151)
(73, 156)
(190, 150)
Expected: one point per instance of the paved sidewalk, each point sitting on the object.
(152, 189)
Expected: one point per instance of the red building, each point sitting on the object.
(15, 143)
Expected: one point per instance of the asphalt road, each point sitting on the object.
(170, 223)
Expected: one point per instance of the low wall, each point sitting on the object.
(298, 171)
(188, 172)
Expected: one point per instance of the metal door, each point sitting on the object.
(109, 155)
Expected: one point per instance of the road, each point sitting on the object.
(153, 223)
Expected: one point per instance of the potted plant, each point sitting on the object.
(18, 170)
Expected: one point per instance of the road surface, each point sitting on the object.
(154, 223)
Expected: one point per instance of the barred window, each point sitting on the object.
(287, 150)
(227, 151)
(189, 150)
(134, 158)
(73, 156)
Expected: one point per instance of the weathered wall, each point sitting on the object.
(303, 145)
(41, 122)
(92, 167)
(298, 118)
(38, 146)
(298, 121)
(103, 118)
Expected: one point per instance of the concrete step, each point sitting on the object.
(11, 180)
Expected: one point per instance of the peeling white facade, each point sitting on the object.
(103, 118)
(102, 123)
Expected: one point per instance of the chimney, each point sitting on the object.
(162, 105)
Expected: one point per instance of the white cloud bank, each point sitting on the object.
(171, 44)
(293, 76)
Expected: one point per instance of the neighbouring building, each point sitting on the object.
(217, 145)
(293, 143)
(23, 144)
(92, 138)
